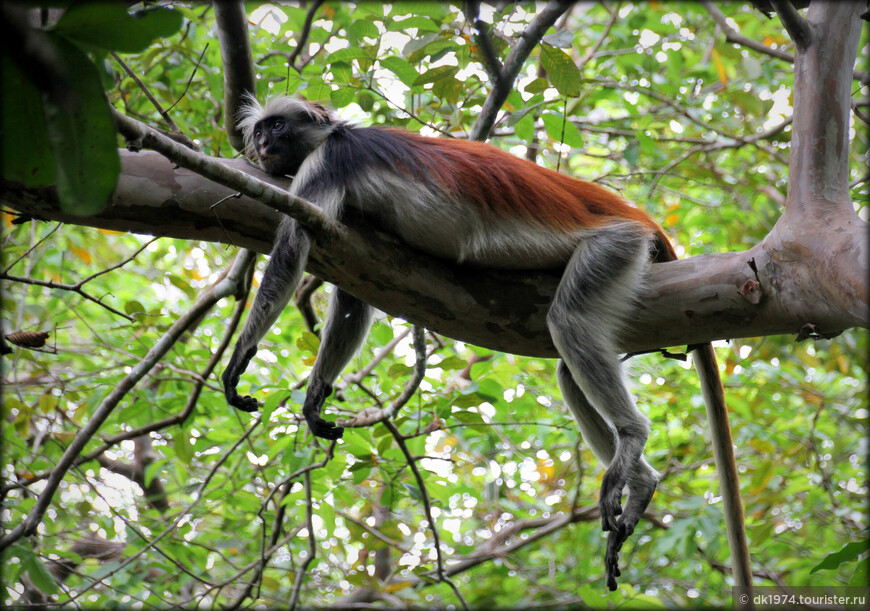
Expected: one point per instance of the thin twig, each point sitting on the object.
(303, 35)
(312, 541)
(205, 302)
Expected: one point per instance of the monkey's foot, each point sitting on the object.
(246, 403)
(610, 501)
(324, 428)
(318, 390)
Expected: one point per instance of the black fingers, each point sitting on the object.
(230, 379)
(611, 559)
(325, 429)
(317, 393)
(246, 403)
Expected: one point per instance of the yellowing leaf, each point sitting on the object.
(47, 403)
(730, 364)
(110, 231)
(546, 469)
(672, 219)
(720, 67)
(309, 360)
(81, 254)
(395, 587)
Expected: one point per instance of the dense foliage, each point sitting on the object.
(648, 99)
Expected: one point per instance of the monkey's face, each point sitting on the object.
(278, 146)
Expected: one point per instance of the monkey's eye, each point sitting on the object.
(258, 133)
(277, 126)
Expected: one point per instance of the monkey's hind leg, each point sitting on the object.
(592, 300)
(601, 438)
(346, 327)
(279, 282)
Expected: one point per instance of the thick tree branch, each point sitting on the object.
(686, 302)
(231, 22)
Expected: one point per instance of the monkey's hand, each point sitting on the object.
(641, 487)
(317, 393)
(615, 540)
(230, 379)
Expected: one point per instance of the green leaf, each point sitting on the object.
(413, 490)
(562, 39)
(436, 74)
(134, 307)
(401, 68)
(562, 72)
(108, 25)
(423, 24)
(347, 55)
(152, 469)
(273, 399)
(82, 136)
(435, 10)
(341, 97)
(342, 72)
(537, 86)
(40, 575)
(362, 28)
(850, 552)
(561, 130)
(25, 153)
(431, 44)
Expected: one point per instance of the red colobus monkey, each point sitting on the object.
(473, 203)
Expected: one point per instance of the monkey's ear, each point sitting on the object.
(321, 113)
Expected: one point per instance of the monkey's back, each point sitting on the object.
(476, 187)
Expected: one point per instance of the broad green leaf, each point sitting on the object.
(82, 136)
(25, 153)
(40, 575)
(433, 10)
(562, 72)
(401, 68)
(435, 74)
(850, 552)
(562, 130)
(342, 96)
(109, 26)
(361, 28)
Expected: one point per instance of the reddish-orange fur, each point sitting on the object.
(505, 185)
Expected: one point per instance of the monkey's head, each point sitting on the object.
(281, 134)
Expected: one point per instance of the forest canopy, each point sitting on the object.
(125, 276)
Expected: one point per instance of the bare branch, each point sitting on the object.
(306, 31)
(77, 287)
(312, 544)
(427, 507)
(798, 27)
(205, 302)
(526, 42)
(491, 62)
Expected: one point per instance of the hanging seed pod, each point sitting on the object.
(28, 339)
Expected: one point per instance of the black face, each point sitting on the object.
(280, 147)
